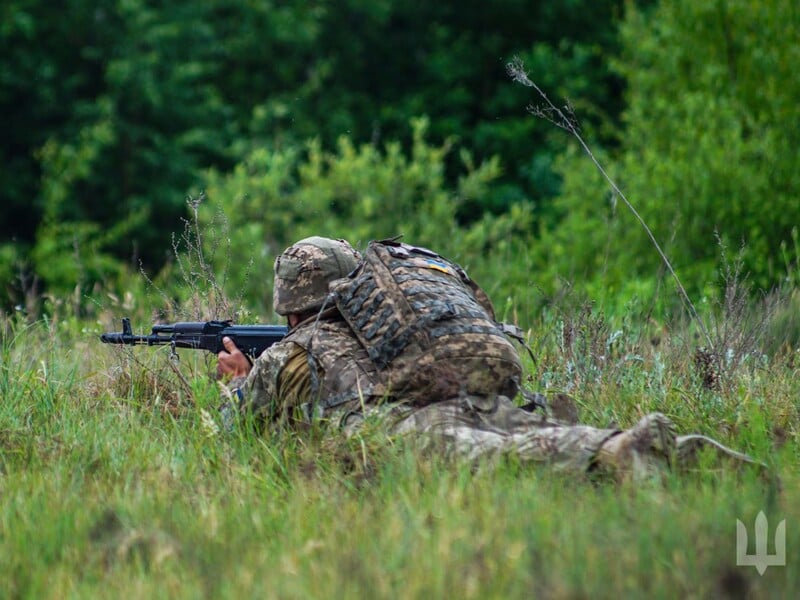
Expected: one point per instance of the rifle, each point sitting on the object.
(252, 340)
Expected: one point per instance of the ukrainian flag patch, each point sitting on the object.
(439, 266)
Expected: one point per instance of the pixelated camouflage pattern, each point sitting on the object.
(263, 392)
(477, 427)
(420, 321)
(339, 368)
(319, 365)
(470, 427)
(459, 404)
(304, 270)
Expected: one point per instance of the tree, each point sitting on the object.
(360, 192)
(117, 107)
(708, 150)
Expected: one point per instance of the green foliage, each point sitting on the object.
(117, 482)
(360, 193)
(707, 152)
(454, 71)
(72, 249)
(130, 148)
(115, 110)
(10, 266)
(43, 75)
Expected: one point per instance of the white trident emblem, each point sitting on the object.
(761, 559)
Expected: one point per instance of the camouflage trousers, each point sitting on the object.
(476, 427)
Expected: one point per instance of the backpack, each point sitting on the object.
(427, 327)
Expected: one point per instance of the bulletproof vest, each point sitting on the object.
(339, 366)
(427, 328)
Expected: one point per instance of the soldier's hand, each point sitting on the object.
(231, 362)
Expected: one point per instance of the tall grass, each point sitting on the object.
(115, 482)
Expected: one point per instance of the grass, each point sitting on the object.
(115, 483)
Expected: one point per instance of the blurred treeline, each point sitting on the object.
(371, 118)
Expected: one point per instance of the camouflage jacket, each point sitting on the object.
(318, 367)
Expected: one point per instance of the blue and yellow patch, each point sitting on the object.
(439, 266)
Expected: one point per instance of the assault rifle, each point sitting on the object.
(252, 340)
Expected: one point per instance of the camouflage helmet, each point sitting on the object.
(304, 270)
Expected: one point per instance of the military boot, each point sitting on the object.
(644, 450)
(651, 446)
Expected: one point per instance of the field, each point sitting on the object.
(617, 175)
(117, 481)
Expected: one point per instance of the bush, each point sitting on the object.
(274, 198)
(707, 153)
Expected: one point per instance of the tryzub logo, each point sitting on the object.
(761, 559)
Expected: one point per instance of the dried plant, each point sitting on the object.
(195, 252)
(564, 118)
(736, 327)
(197, 294)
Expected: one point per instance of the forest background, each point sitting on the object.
(156, 156)
(368, 119)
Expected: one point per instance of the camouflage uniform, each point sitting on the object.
(322, 371)
(279, 390)
(317, 369)
(322, 360)
(430, 328)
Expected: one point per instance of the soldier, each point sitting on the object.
(322, 370)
